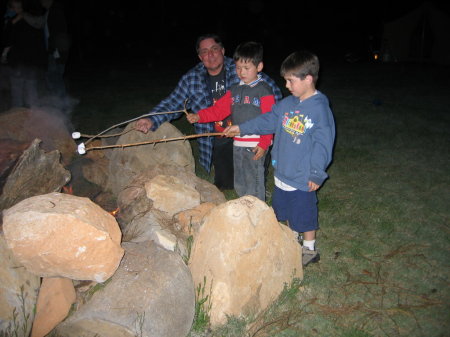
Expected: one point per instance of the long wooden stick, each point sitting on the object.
(134, 119)
(163, 140)
(106, 136)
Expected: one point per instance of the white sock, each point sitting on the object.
(309, 244)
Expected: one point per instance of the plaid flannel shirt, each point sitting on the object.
(194, 86)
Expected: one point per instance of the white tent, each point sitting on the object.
(422, 35)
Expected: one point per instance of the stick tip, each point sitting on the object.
(76, 135)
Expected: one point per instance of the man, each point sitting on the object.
(202, 85)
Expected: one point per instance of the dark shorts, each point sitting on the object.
(297, 207)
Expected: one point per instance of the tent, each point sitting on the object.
(422, 35)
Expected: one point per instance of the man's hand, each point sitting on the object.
(144, 124)
(193, 118)
(313, 186)
(232, 131)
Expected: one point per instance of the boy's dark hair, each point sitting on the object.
(300, 64)
(249, 51)
(215, 37)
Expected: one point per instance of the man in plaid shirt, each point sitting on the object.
(202, 85)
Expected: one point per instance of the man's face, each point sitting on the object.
(212, 56)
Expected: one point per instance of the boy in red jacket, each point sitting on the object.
(244, 101)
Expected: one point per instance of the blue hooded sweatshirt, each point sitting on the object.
(303, 141)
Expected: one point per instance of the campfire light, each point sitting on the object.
(68, 189)
(114, 213)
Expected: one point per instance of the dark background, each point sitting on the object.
(122, 32)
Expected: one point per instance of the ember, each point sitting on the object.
(114, 213)
(67, 189)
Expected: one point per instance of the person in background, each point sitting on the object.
(304, 129)
(58, 47)
(244, 101)
(202, 86)
(57, 43)
(24, 52)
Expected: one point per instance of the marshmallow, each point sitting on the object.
(81, 148)
(76, 135)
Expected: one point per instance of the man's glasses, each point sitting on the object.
(214, 49)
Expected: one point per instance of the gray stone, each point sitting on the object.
(126, 163)
(150, 295)
(18, 293)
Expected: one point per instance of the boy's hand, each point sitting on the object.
(313, 186)
(232, 131)
(144, 124)
(259, 152)
(193, 118)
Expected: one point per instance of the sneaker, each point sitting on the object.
(309, 256)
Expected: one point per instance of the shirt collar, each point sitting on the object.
(255, 82)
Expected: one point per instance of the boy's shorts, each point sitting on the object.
(297, 207)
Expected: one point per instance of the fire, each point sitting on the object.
(114, 213)
(68, 189)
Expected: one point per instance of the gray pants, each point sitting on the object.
(248, 173)
(24, 87)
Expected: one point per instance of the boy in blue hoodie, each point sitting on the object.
(304, 129)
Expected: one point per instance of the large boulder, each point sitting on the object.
(126, 163)
(63, 235)
(25, 125)
(151, 294)
(244, 257)
(35, 173)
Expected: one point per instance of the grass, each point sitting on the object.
(384, 212)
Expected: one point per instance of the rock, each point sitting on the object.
(62, 235)
(25, 125)
(133, 201)
(56, 296)
(151, 294)
(127, 163)
(10, 151)
(148, 206)
(35, 173)
(18, 293)
(171, 195)
(189, 221)
(245, 257)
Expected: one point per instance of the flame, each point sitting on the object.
(114, 213)
(68, 189)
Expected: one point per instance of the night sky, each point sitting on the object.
(123, 31)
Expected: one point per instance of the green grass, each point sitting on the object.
(384, 212)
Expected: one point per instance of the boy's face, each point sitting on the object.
(298, 87)
(247, 71)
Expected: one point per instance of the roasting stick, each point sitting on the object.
(163, 140)
(76, 135)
